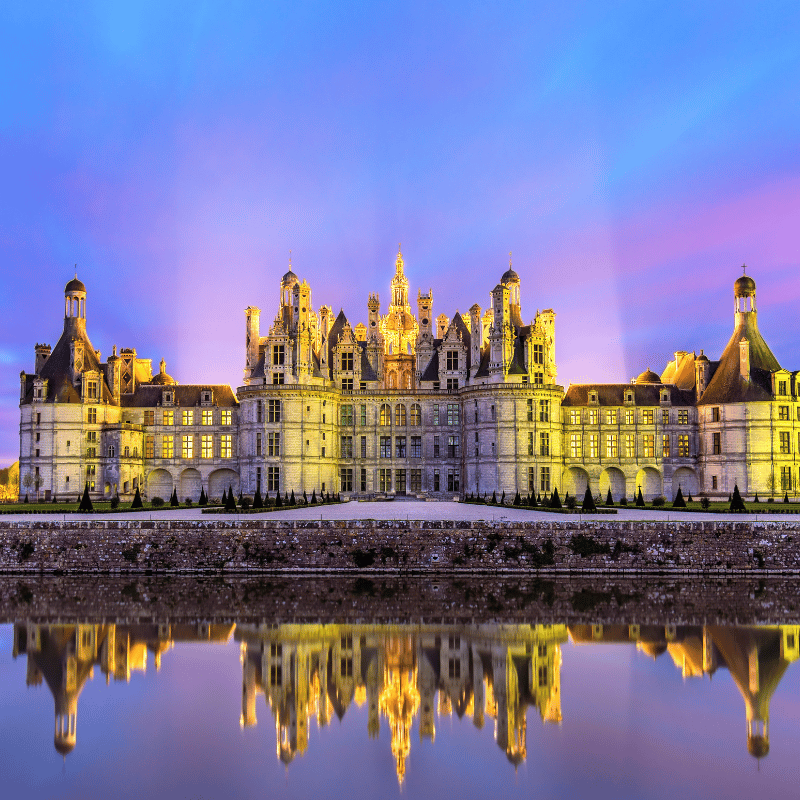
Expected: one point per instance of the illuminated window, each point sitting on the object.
(629, 416)
(168, 418)
(683, 445)
(416, 414)
(346, 415)
(785, 447)
(206, 446)
(647, 416)
(273, 444)
(347, 450)
(225, 416)
(187, 416)
(91, 416)
(187, 447)
(575, 445)
(665, 417)
(225, 445)
(274, 411)
(593, 416)
(400, 414)
(544, 444)
(665, 449)
(208, 417)
(149, 417)
(611, 445)
(149, 447)
(783, 412)
(611, 416)
(683, 416)
(630, 446)
(648, 445)
(168, 447)
(385, 415)
(594, 445)
(574, 416)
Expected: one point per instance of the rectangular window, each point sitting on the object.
(781, 388)
(593, 416)
(574, 416)
(538, 354)
(665, 450)
(168, 418)
(187, 417)
(363, 447)
(346, 479)
(785, 447)
(453, 480)
(783, 412)
(273, 444)
(452, 384)
(363, 479)
(91, 436)
(91, 416)
(531, 479)
(594, 445)
(452, 413)
(575, 445)
(168, 447)
(277, 379)
(530, 443)
(400, 446)
(91, 390)
(630, 446)
(538, 379)
(347, 384)
(278, 355)
(415, 480)
(713, 481)
(649, 445)
(274, 411)
(416, 447)
(493, 413)
(346, 415)
(400, 481)
(786, 479)
(259, 445)
(542, 674)
(225, 446)
(453, 447)
(683, 416)
(544, 411)
(187, 447)
(611, 445)
(454, 668)
(347, 449)
(208, 417)
(436, 481)
(91, 452)
(273, 479)
(149, 417)
(611, 416)
(715, 414)
(530, 409)
(207, 446)
(149, 447)
(436, 386)
(347, 362)
(665, 417)
(385, 480)
(386, 447)
(544, 479)
(436, 415)
(647, 416)
(683, 445)
(436, 447)
(716, 444)
(629, 416)
(544, 444)
(363, 414)
(452, 360)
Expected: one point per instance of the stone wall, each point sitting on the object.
(369, 546)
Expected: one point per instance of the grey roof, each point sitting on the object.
(367, 373)
(613, 394)
(431, 372)
(147, 395)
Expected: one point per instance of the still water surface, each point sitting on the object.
(216, 710)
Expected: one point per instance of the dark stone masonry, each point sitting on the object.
(399, 547)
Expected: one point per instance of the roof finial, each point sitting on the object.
(76, 272)
(744, 269)
(290, 259)
(509, 259)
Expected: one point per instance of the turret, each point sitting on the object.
(476, 338)
(42, 352)
(425, 312)
(252, 333)
(373, 321)
(702, 373)
(442, 324)
(113, 373)
(75, 307)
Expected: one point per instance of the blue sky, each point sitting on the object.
(631, 155)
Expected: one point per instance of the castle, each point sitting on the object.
(407, 405)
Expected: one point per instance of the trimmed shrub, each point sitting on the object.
(569, 500)
(679, 502)
(493, 501)
(188, 502)
(278, 500)
(588, 501)
(230, 500)
(115, 501)
(623, 501)
(245, 503)
(555, 500)
(658, 502)
(258, 501)
(203, 497)
(224, 500)
(755, 499)
(737, 504)
(86, 501)
(786, 497)
(292, 501)
(517, 499)
(640, 499)
(609, 498)
(157, 502)
(173, 501)
(705, 502)
(137, 499)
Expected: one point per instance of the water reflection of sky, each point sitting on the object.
(632, 727)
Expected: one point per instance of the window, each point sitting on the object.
(362, 385)
(208, 417)
(273, 444)
(781, 388)
(683, 416)
(492, 411)
(363, 414)
(278, 355)
(206, 446)
(593, 416)
(273, 479)
(786, 479)
(454, 668)
(91, 416)
(347, 362)
(575, 445)
(435, 415)
(91, 436)
(683, 445)
(259, 445)
(452, 413)
(783, 412)
(715, 414)
(531, 479)
(544, 443)
(665, 417)
(630, 446)
(386, 447)
(400, 414)
(91, 390)
(416, 447)
(452, 360)
(225, 445)
(530, 443)
(110, 451)
(436, 447)
(713, 481)
(347, 449)
(436, 386)
(363, 480)
(665, 449)
(453, 446)
(611, 445)
(453, 480)
(416, 414)
(574, 416)
(538, 379)
(594, 445)
(538, 354)
(188, 416)
(436, 481)
(363, 447)
(187, 447)
(277, 379)
(275, 675)
(385, 480)
(544, 411)
(168, 447)
(346, 479)
(716, 444)
(647, 416)
(529, 404)
(649, 445)
(347, 384)
(400, 446)
(168, 418)
(149, 417)
(544, 479)
(611, 416)
(149, 447)
(385, 415)
(91, 452)
(452, 384)
(415, 480)
(629, 416)
(346, 415)
(542, 675)
(400, 481)
(274, 411)
(785, 447)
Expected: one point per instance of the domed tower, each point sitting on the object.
(744, 295)
(288, 282)
(511, 280)
(75, 307)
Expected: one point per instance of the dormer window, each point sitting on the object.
(592, 397)
(91, 390)
(665, 397)
(168, 397)
(277, 355)
(629, 397)
(782, 388)
(347, 362)
(452, 360)
(205, 396)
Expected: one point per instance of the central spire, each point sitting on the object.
(398, 264)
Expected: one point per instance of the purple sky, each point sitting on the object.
(631, 155)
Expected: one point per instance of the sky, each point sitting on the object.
(630, 155)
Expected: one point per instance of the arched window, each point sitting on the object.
(127, 452)
(399, 414)
(391, 380)
(386, 414)
(416, 414)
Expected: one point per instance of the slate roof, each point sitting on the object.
(147, 395)
(613, 394)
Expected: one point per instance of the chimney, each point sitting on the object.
(744, 359)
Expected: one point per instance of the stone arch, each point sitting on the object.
(159, 484)
(575, 481)
(649, 479)
(189, 485)
(219, 481)
(613, 478)
(686, 478)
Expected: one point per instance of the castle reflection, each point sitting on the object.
(406, 674)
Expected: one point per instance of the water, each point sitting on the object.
(269, 707)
